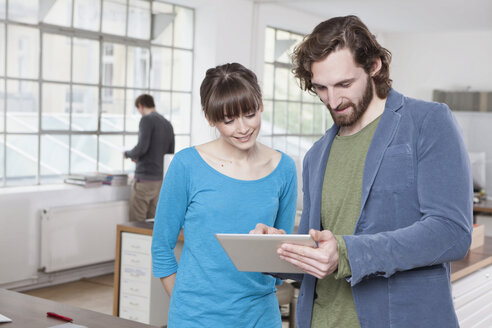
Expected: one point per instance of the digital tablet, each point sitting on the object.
(258, 253)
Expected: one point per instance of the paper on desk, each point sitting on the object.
(4, 319)
(68, 325)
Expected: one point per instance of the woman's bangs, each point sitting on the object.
(232, 103)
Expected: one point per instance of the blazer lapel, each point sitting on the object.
(382, 138)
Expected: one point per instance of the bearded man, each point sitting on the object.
(387, 192)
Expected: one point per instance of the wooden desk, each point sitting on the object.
(484, 207)
(29, 311)
(476, 259)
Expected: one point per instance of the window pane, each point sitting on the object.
(2, 9)
(113, 108)
(55, 109)
(164, 17)
(160, 75)
(293, 146)
(266, 140)
(83, 154)
(22, 106)
(84, 108)
(22, 154)
(138, 67)
(2, 109)
(281, 83)
(268, 82)
(54, 158)
(283, 44)
(23, 54)
(269, 45)
(182, 66)
(56, 57)
(305, 144)
(328, 121)
(130, 142)
(60, 13)
(294, 89)
(280, 117)
(266, 118)
(110, 153)
(86, 14)
(25, 11)
(2, 49)
(318, 119)
(294, 114)
(180, 115)
(139, 19)
(132, 115)
(85, 61)
(308, 97)
(181, 142)
(114, 59)
(114, 17)
(183, 28)
(307, 119)
(163, 103)
(280, 143)
(2, 158)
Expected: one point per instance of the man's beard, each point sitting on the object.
(357, 110)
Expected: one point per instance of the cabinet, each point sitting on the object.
(472, 287)
(138, 296)
(472, 298)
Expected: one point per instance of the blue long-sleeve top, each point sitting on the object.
(209, 291)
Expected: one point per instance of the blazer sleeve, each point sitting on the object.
(169, 218)
(444, 187)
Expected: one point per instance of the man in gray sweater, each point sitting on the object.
(155, 138)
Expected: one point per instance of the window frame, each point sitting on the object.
(102, 38)
(302, 102)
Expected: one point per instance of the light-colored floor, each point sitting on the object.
(94, 294)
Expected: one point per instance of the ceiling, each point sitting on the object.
(403, 15)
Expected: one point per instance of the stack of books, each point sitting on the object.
(84, 180)
(115, 179)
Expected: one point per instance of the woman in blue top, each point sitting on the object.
(227, 185)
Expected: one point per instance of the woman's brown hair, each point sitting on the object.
(229, 90)
(335, 34)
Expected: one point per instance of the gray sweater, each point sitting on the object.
(155, 138)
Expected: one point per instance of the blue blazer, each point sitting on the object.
(416, 217)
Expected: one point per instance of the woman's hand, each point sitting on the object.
(263, 229)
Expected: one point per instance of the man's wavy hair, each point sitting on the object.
(335, 34)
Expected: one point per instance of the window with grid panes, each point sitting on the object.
(292, 119)
(70, 71)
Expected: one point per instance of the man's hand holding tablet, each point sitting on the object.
(319, 262)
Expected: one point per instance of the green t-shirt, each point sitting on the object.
(340, 208)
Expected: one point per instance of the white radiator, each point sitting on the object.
(74, 236)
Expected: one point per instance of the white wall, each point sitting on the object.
(449, 61)
(455, 61)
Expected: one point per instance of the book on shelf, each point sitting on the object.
(114, 179)
(84, 180)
